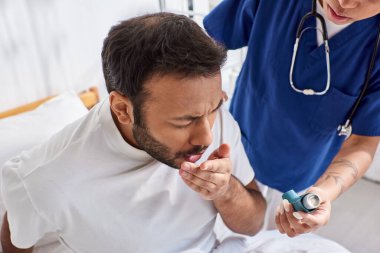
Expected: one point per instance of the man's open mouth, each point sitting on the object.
(193, 157)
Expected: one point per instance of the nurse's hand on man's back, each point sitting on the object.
(212, 178)
(295, 223)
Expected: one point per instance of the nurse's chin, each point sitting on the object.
(337, 19)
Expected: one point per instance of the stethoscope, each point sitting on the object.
(346, 128)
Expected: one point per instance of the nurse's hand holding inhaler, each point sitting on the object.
(314, 211)
(211, 178)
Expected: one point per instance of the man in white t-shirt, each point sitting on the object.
(149, 168)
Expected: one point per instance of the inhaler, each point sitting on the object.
(307, 202)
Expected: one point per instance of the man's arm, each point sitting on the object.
(6, 239)
(351, 162)
(242, 208)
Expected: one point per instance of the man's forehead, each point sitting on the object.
(183, 87)
(174, 94)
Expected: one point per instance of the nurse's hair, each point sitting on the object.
(162, 43)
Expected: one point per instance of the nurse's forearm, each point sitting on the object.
(243, 208)
(349, 165)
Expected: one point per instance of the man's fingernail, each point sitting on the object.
(297, 216)
(286, 204)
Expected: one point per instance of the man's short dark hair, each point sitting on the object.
(160, 43)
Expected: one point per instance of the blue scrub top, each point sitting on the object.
(291, 138)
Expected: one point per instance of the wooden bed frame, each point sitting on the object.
(89, 99)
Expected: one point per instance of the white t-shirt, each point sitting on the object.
(99, 194)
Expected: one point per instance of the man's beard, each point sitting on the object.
(157, 150)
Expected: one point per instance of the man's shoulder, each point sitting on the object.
(57, 149)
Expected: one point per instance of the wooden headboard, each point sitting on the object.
(89, 99)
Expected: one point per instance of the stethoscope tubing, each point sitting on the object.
(346, 128)
(368, 76)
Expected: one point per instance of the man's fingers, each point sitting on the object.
(188, 166)
(198, 181)
(203, 174)
(222, 152)
(202, 191)
(207, 169)
(210, 176)
(219, 165)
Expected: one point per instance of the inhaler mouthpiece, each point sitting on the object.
(311, 201)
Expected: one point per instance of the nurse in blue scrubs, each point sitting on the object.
(289, 132)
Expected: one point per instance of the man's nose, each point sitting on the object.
(348, 4)
(202, 134)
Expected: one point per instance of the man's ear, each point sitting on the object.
(122, 107)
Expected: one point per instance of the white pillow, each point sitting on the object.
(23, 131)
(28, 129)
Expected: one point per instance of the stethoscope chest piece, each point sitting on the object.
(345, 130)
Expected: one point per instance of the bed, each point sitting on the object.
(88, 97)
(28, 125)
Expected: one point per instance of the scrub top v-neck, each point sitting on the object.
(291, 138)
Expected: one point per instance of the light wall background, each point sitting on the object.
(48, 46)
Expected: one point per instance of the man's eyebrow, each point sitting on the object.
(191, 117)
